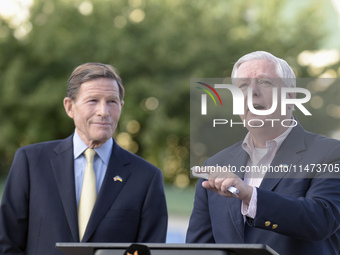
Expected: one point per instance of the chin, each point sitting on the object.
(103, 136)
(256, 121)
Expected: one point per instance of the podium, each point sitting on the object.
(166, 249)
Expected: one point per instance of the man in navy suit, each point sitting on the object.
(43, 189)
(293, 213)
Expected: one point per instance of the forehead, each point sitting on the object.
(99, 87)
(257, 68)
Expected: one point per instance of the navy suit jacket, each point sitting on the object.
(39, 208)
(304, 211)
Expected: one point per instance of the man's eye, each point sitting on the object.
(265, 82)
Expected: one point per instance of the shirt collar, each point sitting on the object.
(103, 151)
(248, 144)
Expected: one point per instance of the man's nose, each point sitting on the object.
(255, 87)
(103, 109)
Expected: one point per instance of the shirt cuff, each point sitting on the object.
(249, 210)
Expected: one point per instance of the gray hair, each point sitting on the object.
(283, 70)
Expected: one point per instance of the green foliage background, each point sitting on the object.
(157, 46)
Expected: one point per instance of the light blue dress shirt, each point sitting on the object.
(101, 161)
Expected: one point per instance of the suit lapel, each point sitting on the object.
(239, 158)
(110, 189)
(286, 155)
(63, 168)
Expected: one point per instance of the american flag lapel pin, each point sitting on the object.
(118, 178)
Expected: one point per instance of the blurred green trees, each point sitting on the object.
(157, 46)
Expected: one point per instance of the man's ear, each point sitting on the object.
(291, 96)
(68, 105)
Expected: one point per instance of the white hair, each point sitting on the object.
(283, 70)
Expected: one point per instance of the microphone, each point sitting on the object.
(195, 170)
(137, 249)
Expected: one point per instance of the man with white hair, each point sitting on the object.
(293, 213)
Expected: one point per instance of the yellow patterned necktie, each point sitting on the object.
(88, 193)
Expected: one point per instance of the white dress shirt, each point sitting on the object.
(261, 158)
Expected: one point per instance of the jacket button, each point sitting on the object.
(274, 226)
(267, 223)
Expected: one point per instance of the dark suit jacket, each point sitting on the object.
(39, 207)
(306, 210)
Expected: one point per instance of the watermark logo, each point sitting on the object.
(204, 97)
(239, 97)
(224, 123)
